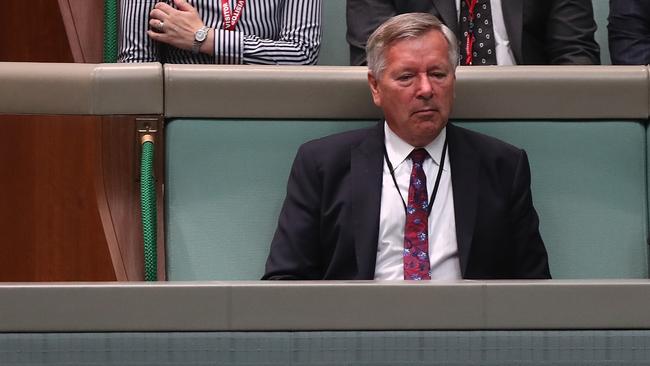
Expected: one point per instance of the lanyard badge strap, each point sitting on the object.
(231, 16)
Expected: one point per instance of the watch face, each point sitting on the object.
(201, 34)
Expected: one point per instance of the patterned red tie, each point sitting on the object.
(416, 237)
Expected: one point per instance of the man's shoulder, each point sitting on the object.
(502, 162)
(486, 146)
(331, 156)
(490, 151)
(339, 142)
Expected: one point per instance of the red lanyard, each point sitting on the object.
(230, 16)
(471, 4)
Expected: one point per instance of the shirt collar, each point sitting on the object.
(398, 150)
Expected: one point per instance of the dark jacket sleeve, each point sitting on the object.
(530, 257)
(629, 32)
(294, 253)
(570, 33)
(363, 17)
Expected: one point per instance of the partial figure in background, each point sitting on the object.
(496, 32)
(629, 32)
(220, 31)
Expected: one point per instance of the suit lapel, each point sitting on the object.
(447, 11)
(366, 171)
(513, 19)
(464, 180)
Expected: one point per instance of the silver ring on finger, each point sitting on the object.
(161, 27)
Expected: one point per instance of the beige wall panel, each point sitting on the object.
(519, 92)
(323, 305)
(65, 88)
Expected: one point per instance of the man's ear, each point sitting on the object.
(374, 90)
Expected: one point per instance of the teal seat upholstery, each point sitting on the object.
(588, 187)
(232, 134)
(334, 47)
(226, 181)
(601, 12)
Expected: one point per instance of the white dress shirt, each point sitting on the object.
(443, 248)
(501, 40)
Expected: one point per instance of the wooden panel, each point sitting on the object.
(33, 31)
(51, 230)
(121, 160)
(84, 25)
(71, 209)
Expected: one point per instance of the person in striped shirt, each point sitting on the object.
(220, 31)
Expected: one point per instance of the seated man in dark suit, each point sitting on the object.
(629, 32)
(499, 32)
(413, 197)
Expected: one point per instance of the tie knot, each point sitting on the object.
(418, 155)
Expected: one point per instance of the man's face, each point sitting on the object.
(416, 89)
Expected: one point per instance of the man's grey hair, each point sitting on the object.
(403, 26)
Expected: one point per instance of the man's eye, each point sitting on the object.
(405, 77)
(438, 75)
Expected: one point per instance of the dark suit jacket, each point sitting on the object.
(329, 223)
(541, 32)
(629, 32)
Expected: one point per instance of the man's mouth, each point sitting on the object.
(425, 111)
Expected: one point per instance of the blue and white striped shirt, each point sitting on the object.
(268, 32)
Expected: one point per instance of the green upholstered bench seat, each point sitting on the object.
(226, 179)
(225, 182)
(588, 188)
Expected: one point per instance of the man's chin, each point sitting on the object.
(427, 134)
(433, 123)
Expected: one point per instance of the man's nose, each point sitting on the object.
(425, 88)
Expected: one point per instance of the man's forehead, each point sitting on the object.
(418, 50)
(414, 37)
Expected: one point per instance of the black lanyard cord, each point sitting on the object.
(435, 186)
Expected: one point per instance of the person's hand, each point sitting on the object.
(175, 27)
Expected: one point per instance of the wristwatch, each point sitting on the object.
(199, 37)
